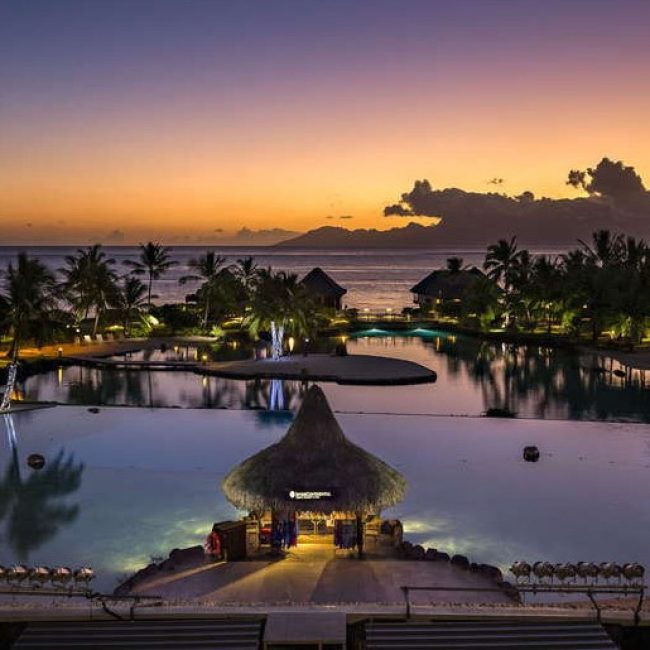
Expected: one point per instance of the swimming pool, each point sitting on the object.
(473, 376)
(131, 484)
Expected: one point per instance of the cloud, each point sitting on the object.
(397, 210)
(218, 230)
(346, 216)
(478, 217)
(262, 237)
(495, 181)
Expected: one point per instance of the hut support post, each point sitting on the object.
(359, 535)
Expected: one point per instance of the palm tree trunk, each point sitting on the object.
(96, 322)
(150, 283)
(206, 312)
(359, 535)
(13, 349)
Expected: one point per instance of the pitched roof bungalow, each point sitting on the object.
(444, 285)
(323, 288)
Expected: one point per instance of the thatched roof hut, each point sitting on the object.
(323, 288)
(445, 285)
(314, 457)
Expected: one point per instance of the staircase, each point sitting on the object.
(203, 634)
(480, 635)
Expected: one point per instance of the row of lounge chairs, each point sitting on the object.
(109, 337)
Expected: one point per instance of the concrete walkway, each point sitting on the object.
(109, 348)
(352, 369)
(313, 574)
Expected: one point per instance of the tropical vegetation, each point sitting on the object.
(600, 288)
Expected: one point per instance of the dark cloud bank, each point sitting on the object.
(617, 200)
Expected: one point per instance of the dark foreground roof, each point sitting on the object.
(244, 633)
(317, 281)
(449, 285)
(314, 456)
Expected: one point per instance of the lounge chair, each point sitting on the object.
(109, 336)
(87, 340)
(99, 338)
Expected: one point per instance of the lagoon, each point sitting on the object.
(139, 482)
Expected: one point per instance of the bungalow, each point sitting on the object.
(323, 288)
(444, 286)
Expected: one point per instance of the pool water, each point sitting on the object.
(473, 376)
(125, 485)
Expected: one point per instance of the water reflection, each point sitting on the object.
(473, 376)
(529, 380)
(32, 507)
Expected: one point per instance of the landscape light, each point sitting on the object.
(59, 351)
(16, 573)
(204, 358)
(85, 575)
(61, 575)
(590, 572)
(292, 343)
(39, 575)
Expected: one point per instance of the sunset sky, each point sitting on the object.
(129, 119)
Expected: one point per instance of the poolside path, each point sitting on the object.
(109, 348)
(313, 574)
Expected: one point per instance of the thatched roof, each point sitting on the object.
(447, 285)
(314, 455)
(317, 281)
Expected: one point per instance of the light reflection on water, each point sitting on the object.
(473, 375)
(145, 481)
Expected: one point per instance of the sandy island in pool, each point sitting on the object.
(351, 369)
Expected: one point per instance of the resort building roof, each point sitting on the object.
(314, 467)
(446, 284)
(317, 281)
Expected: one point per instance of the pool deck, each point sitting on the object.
(315, 574)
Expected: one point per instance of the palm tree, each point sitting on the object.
(29, 298)
(248, 273)
(501, 260)
(281, 304)
(546, 286)
(605, 248)
(208, 268)
(154, 261)
(130, 300)
(89, 282)
(501, 263)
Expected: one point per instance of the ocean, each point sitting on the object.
(375, 280)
